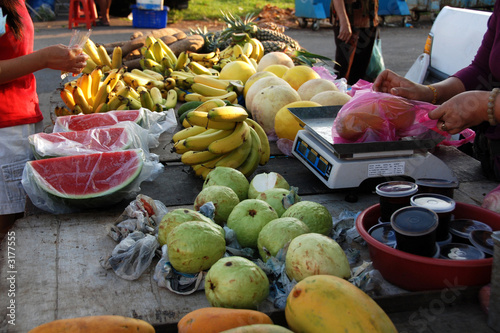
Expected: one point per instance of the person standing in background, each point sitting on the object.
(355, 26)
(104, 6)
(20, 114)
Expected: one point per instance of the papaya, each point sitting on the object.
(259, 328)
(95, 324)
(216, 319)
(320, 303)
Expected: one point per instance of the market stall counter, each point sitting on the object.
(52, 264)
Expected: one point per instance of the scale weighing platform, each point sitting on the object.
(347, 165)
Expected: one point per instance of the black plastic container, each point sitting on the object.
(393, 196)
(461, 228)
(483, 240)
(460, 251)
(442, 205)
(437, 186)
(384, 233)
(415, 229)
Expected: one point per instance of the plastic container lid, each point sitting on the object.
(459, 251)
(463, 227)
(482, 240)
(414, 221)
(446, 241)
(435, 202)
(384, 233)
(396, 189)
(436, 182)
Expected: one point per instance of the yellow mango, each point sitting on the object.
(326, 303)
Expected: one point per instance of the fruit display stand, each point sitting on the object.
(51, 262)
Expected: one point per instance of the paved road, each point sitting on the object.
(400, 46)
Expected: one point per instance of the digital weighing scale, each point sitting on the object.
(347, 165)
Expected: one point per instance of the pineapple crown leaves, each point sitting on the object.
(307, 57)
(236, 24)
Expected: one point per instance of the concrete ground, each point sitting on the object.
(400, 45)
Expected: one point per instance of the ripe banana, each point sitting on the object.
(200, 118)
(202, 141)
(237, 51)
(169, 83)
(264, 141)
(154, 75)
(201, 56)
(96, 81)
(115, 102)
(171, 100)
(146, 100)
(156, 95)
(67, 98)
(85, 83)
(252, 162)
(188, 132)
(90, 65)
(182, 61)
(147, 63)
(231, 96)
(228, 114)
(168, 51)
(236, 157)
(258, 49)
(206, 90)
(158, 52)
(81, 101)
(91, 50)
(102, 94)
(117, 58)
(212, 81)
(150, 40)
(179, 147)
(248, 49)
(210, 104)
(134, 103)
(240, 134)
(135, 80)
(198, 68)
(197, 157)
(104, 56)
(194, 97)
(155, 83)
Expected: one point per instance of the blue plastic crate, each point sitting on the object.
(154, 19)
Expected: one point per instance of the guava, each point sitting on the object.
(223, 198)
(265, 181)
(194, 247)
(315, 254)
(236, 282)
(313, 214)
(247, 220)
(279, 199)
(229, 177)
(277, 234)
(175, 217)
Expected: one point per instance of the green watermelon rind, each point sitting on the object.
(127, 145)
(38, 179)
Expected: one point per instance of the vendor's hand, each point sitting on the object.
(461, 111)
(345, 32)
(392, 83)
(61, 57)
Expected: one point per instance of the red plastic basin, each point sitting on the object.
(417, 273)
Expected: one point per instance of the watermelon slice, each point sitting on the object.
(96, 140)
(93, 120)
(91, 176)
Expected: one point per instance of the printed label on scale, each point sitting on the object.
(386, 169)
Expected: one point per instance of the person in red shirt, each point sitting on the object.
(468, 99)
(20, 114)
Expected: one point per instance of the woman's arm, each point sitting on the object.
(345, 31)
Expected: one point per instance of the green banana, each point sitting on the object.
(240, 134)
(146, 100)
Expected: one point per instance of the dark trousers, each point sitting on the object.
(352, 58)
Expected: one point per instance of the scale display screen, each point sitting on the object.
(313, 158)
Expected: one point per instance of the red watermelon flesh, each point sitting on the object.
(80, 142)
(87, 176)
(92, 120)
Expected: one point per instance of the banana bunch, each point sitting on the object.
(98, 56)
(157, 56)
(249, 51)
(206, 87)
(221, 135)
(204, 60)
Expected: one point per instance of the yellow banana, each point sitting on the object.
(240, 134)
(152, 64)
(167, 63)
(70, 85)
(236, 157)
(120, 84)
(77, 109)
(200, 118)
(201, 56)
(134, 80)
(264, 141)
(254, 62)
(237, 51)
(117, 57)
(231, 96)
(86, 85)
(197, 157)
(206, 90)
(81, 101)
(212, 81)
(146, 75)
(115, 102)
(67, 98)
(146, 100)
(102, 94)
(104, 56)
(155, 83)
(154, 75)
(182, 61)
(260, 47)
(133, 103)
(202, 141)
(228, 114)
(169, 83)
(248, 49)
(156, 95)
(210, 104)
(168, 51)
(179, 147)
(91, 50)
(150, 40)
(252, 162)
(123, 106)
(158, 51)
(90, 65)
(194, 97)
(198, 68)
(188, 132)
(96, 81)
(171, 100)
(112, 79)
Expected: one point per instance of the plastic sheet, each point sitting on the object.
(95, 180)
(78, 40)
(122, 136)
